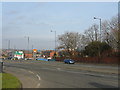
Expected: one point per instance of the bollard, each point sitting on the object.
(1, 67)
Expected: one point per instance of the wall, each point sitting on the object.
(106, 60)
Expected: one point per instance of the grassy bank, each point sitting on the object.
(10, 81)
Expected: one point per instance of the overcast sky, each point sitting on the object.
(36, 19)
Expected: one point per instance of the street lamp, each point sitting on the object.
(100, 26)
(55, 40)
(100, 39)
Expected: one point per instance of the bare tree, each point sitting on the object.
(69, 41)
(92, 34)
(110, 32)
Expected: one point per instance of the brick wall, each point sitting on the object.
(107, 60)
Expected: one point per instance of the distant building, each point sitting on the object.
(19, 54)
(53, 53)
(28, 55)
(10, 55)
(48, 53)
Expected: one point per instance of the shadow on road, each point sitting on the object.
(98, 85)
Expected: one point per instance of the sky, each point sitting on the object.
(35, 20)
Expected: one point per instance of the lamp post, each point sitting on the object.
(55, 41)
(100, 26)
(100, 40)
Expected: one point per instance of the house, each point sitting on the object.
(53, 53)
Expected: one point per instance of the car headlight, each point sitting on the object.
(71, 62)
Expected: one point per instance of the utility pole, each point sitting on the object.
(8, 44)
(28, 44)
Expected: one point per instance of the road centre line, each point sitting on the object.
(84, 73)
(101, 75)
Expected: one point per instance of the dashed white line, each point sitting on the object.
(38, 85)
(31, 72)
(58, 68)
(38, 77)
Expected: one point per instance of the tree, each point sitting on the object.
(110, 32)
(92, 33)
(69, 42)
(96, 48)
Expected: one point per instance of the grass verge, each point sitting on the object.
(10, 81)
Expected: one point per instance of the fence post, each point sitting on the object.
(1, 67)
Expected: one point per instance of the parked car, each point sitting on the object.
(9, 58)
(51, 59)
(14, 58)
(69, 61)
(28, 58)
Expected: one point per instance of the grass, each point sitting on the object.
(10, 81)
(0, 80)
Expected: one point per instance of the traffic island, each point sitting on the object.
(10, 81)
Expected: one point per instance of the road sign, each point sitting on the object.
(34, 50)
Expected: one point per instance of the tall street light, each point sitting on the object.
(100, 26)
(100, 39)
(55, 41)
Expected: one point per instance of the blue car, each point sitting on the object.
(69, 61)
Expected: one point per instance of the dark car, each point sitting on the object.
(9, 58)
(69, 61)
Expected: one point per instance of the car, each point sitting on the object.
(69, 61)
(28, 58)
(9, 58)
(14, 58)
(51, 59)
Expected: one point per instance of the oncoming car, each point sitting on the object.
(69, 61)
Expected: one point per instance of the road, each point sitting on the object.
(43, 74)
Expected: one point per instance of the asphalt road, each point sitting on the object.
(43, 74)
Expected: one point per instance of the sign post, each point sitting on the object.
(34, 54)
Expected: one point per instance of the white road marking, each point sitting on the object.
(38, 77)
(101, 75)
(31, 72)
(92, 74)
(58, 68)
(38, 85)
